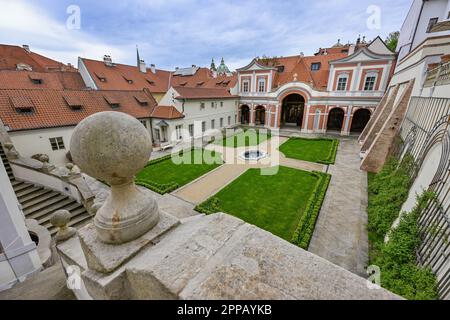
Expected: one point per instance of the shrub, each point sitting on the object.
(397, 258)
(305, 229)
(157, 187)
(210, 206)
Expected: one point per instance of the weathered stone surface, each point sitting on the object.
(113, 147)
(105, 258)
(221, 257)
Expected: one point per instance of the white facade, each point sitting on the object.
(37, 141)
(414, 29)
(202, 114)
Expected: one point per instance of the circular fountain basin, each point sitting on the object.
(253, 155)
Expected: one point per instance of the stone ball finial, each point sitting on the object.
(61, 219)
(8, 145)
(113, 146)
(69, 166)
(44, 158)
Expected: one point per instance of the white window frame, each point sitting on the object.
(57, 143)
(191, 130)
(202, 105)
(373, 75)
(179, 131)
(342, 77)
(229, 120)
(203, 126)
(245, 85)
(213, 123)
(262, 81)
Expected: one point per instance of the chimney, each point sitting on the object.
(107, 60)
(142, 66)
(153, 68)
(26, 47)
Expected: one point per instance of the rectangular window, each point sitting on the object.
(261, 85)
(245, 86)
(229, 120)
(57, 143)
(431, 24)
(221, 103)
(221, 122)
(191, 130)
(235, 118)
(178, 130)
(203, 126)
(370, 83)
(315, 66)
(202, 105)
(342, 84)
(212, 124)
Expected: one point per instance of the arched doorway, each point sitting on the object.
(245, 114)
(335, 119)
(360, 119)
(260, 115)
(292, 110)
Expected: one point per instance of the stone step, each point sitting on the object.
(43, 206)
(33, 195)
(27, 191)
(22, 186)
(39, 199)
(50, 209)
(74, 208)
(77, 221)
(15, 183)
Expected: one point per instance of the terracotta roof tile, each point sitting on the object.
(50, 108)
(10, 56)
(50, 80)
(202, 93)
(166, 112)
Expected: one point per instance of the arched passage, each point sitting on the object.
(360, 119)
(335, 119)
(260, 115)
(292, 110)
(245, 114)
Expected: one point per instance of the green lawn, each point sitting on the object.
(321, 150)
(165, 175)
(248, 138)
(275, 203)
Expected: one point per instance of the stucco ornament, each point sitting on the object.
(112, 147)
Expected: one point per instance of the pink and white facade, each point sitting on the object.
(336, 91)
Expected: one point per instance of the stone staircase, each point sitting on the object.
(39, 202)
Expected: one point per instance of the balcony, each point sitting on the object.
(438, 75)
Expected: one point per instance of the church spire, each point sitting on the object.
(213, 65)
(137, 56)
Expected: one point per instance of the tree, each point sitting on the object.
(392, 40)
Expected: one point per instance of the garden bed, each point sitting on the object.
(320, 150)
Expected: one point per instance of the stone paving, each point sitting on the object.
(340, 234)
(209, 184)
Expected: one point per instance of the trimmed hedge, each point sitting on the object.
(157, 187)
(305, 229)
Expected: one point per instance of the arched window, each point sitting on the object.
(342, 82)
(369, 81)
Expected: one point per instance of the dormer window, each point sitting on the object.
(200, 83)
(141, 100)
(101, 76)
(113, 102)
(315, 66)
(22, 104)
(151, 82)
(280, 68)
(183, 83)
(127, 79)
(73, 102)
(35, 79)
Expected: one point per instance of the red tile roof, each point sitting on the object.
(203, 93)
(166, 112)
(49, 80)
(117, 77)
(51, 108)
(10, 56)
(300, 68)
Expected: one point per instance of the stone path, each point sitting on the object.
(209, 184)
(340, 235)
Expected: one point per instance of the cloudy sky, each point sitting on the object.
(173, 33)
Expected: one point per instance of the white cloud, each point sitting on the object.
(25, 22)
